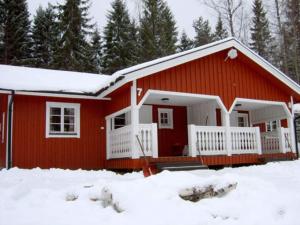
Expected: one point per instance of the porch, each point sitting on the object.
(172, 127)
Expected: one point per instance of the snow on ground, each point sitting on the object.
(268, 194)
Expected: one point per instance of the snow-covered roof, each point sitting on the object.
(31, 79)
(154, 66)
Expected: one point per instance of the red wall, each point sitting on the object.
(172, 141)
(213, 76)
(3, 109)
(32, 149)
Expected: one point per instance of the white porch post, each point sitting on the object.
(192, 140)
(134, 122)
(154, 141)
(258, 140)
(281, 137)
(108, 130)
(292, 133)
(228, 133)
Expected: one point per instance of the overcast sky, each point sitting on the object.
(185, 11)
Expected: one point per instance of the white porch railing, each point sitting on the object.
(245, 140)
(120, 145)
(205, 140)
(278, 141)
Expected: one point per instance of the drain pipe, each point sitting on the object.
(9, 130)
(296, 138)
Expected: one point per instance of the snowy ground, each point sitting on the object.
(268, 194)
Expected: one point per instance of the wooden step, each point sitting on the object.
(179, 166)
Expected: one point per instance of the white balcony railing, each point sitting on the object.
(278, 141)
(121, 146)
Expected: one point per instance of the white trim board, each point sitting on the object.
(148, 68)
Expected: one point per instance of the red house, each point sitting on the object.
(220, 101)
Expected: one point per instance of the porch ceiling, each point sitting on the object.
(176, 100)
(248, 106)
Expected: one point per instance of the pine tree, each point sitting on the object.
(45, 36)
(119, 49)
(96, 54)
(260, 32)
(292, 38)
(74, 25)
(17, 41)
(203, 32)
(158, 30)
(168, 38)
(2, 18)
(185, 43)
(220, 31)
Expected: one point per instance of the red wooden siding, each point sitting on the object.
(3, 109)
(32, 149)
(213, 76)
(120, 99)
(172, 141)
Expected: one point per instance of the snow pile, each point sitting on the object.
(264, 195)
(32, 79)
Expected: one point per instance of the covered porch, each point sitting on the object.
(172, 126)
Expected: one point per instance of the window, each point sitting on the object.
(165, 118)
(242, 120)
(272, 125)
(62, 120)
(121, 120)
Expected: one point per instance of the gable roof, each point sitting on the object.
(154, 66)
(44, 80)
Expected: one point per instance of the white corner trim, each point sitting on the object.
(76, 107)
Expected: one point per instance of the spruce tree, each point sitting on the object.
(45, 36)
(220, 31)
(260, 32)
(96, 54)
(185, 43)
(17, 40)
(73, 51)
(2, 17)
(119, 49)
(157, 30)
(203, 32)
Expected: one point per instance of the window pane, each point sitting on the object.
(69, 128)
(69, 111)
(55, 111)
(54, 127)
(55, 119)
(69, 119)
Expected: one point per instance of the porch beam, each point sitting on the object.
(134, 122)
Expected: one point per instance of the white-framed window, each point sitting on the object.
(62, 120)
(242, 120)
(121, 120)
(165, 118)
(272, 125)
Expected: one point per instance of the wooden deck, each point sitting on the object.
(137, 164)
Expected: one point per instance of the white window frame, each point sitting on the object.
(278, 125)
(169, 112)
(245, 116)
(76, 107)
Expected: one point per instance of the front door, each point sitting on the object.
(172, 129)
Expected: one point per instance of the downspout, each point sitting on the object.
(9, 130)
(296, 139)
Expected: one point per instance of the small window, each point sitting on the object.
(242, 120)
(272, 125)
(165, 118)
(121, 120)
(62, 120)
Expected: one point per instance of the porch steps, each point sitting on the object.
(179, 166)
